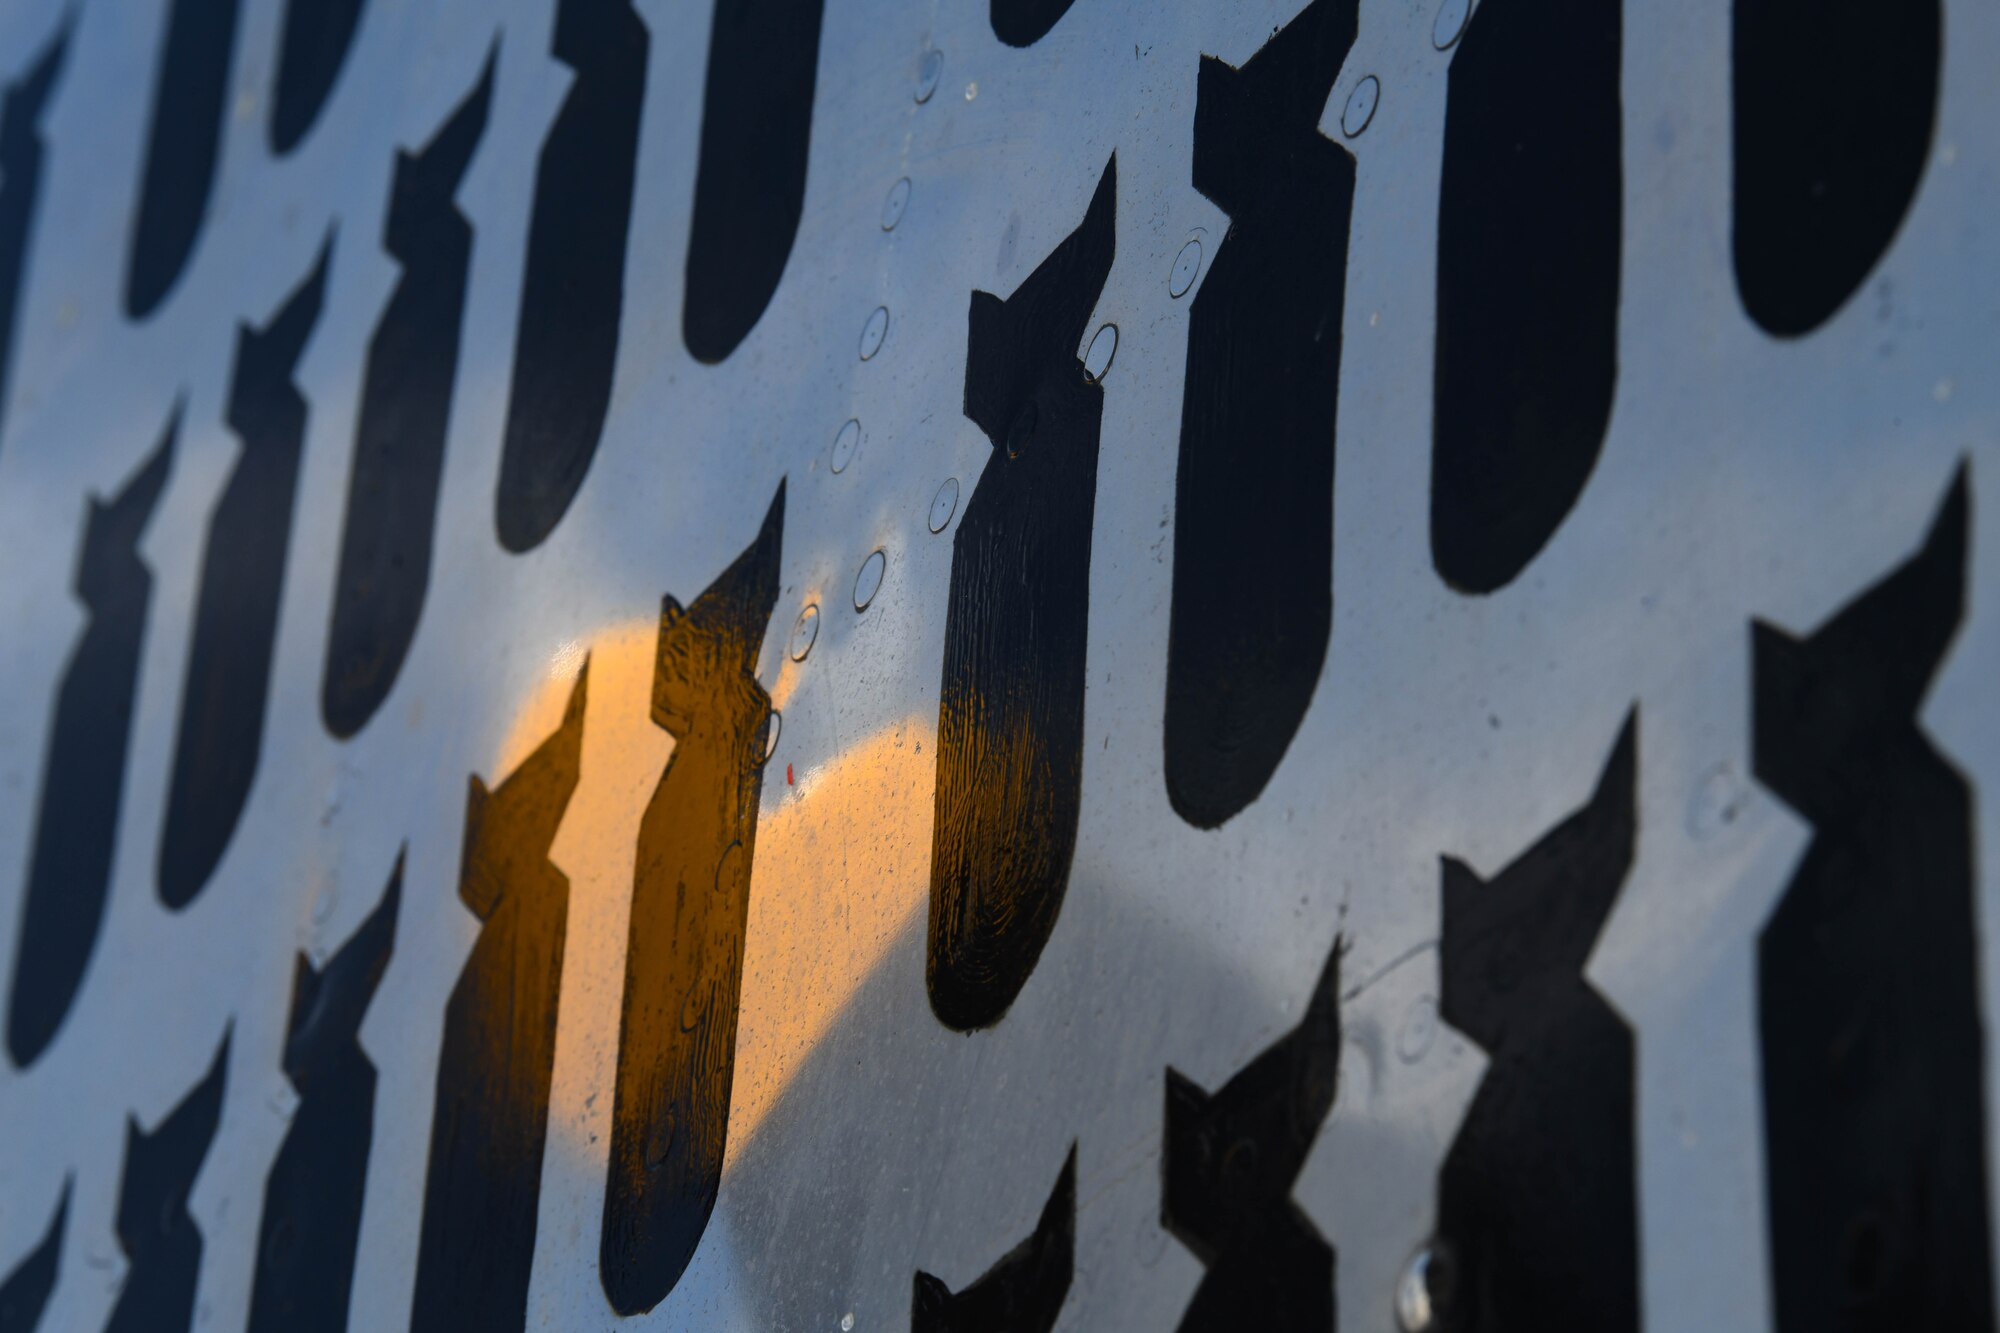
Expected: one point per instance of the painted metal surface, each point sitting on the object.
(1268, 1051)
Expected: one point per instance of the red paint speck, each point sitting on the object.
(788, 775)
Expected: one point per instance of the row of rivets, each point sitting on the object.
(847, 440)
(1425, 1281)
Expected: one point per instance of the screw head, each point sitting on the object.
(929, 70)
(1187, 265)
(1097, 358)
(944, 504)
(1360, 107)
(1420, 1027)
(893, 206)
(1450, 24)
(868, 581)
(845, 444)
(805, 632)
(874, 331)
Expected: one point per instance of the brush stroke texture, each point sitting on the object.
(1010, 702)
(690, 907)
(491, 1116)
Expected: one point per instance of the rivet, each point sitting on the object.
(771, 737)
(847, 1322)
(283, 1101)
(1717, 803)
(874, 331)
(1097, 358)
(1360, 106)
(971, 91)
(944, 504)
(1424, 1293)
(1187, 266)
(805, 632)
(1419, 1029)
(928, 73)
(868, 581)
(893, 206)
(844, 445)
(1151, 1241)
(1450, 24)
